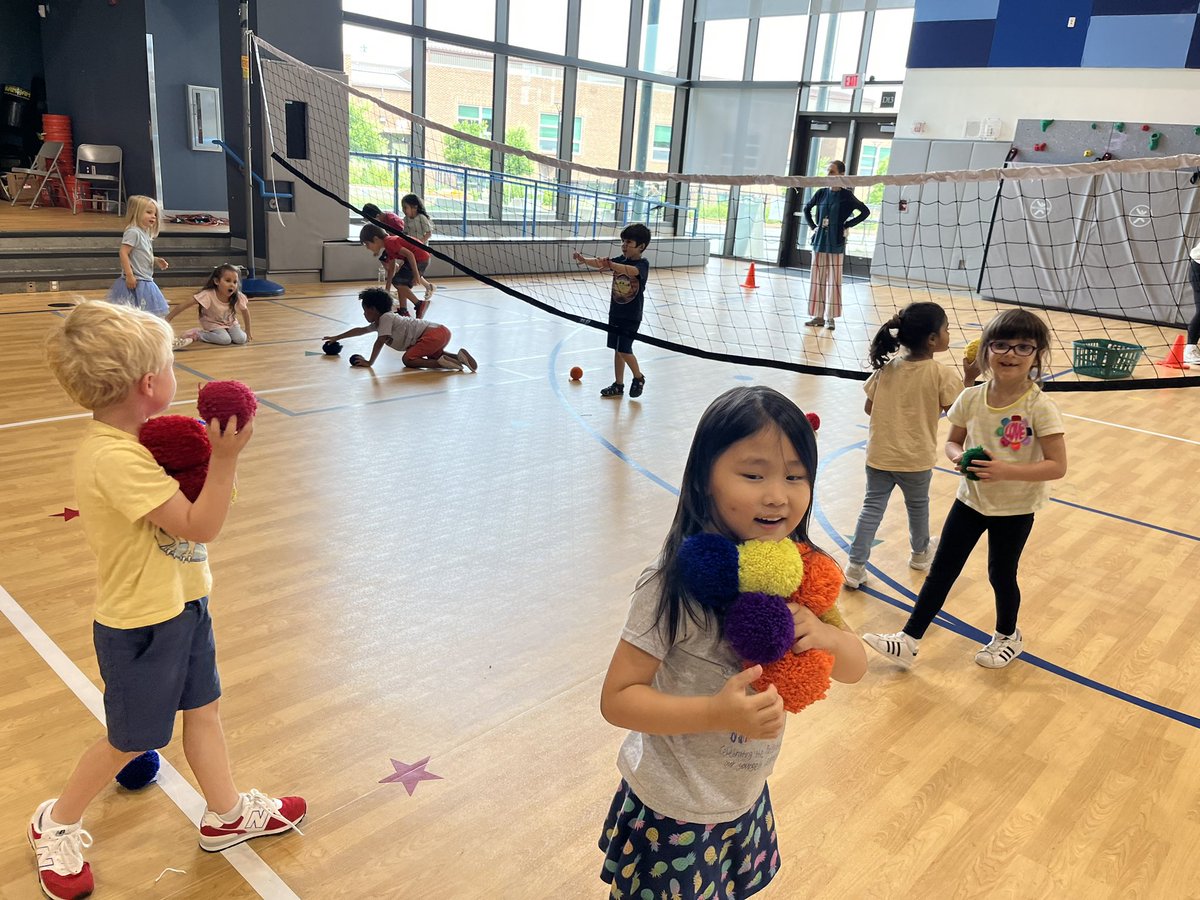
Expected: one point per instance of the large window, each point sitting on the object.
(780, 52)
(390, 10)
(536, 24)
(654, 110)
(839, 38)
(378, 63)
(617, 118)
(459, 92)
(470, 18)
(533, 93)
(604, 30)
(890, 34)
(661, 21)
(723, 56)
(599, 99)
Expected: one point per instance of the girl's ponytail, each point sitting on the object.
(914, 326)
(884, 344)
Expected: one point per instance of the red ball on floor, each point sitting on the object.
(576, 373)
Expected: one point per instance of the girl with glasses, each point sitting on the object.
(1021, 430)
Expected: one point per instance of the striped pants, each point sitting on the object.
(825, 287)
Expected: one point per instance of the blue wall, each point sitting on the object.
(186, 51)
(1035, 33)
(20, 43)
(95, 57)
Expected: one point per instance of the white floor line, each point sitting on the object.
(1169, 437)
(82, 415)
(261, 877)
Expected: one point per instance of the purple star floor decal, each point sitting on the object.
(410, 775)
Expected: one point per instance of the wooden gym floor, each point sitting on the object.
(438, 565)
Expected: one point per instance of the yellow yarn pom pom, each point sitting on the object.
(769, 567)
(971, 351)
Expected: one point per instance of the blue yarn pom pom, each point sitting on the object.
(140, 771)
(760, 627)
(708, 565)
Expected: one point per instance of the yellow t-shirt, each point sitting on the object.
(907, 397)
(145, 574)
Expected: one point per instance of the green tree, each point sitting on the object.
(875, 195)
(465, 153)
(473, 156)
(364, 133)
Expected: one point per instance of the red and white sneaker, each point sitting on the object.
(62, 872)
(261, 815)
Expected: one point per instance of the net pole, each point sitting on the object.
(252, 286)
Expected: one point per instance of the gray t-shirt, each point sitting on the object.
(703, 778)
(141, 259)
(403, 330)
(418, 226)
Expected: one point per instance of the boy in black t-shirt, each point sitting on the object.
(630, 273)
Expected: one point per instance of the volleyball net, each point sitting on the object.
(1099, 250)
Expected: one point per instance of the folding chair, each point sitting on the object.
(100, 167)
(45, 167)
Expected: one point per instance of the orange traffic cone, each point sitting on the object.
(1174, 359)
(749, 282)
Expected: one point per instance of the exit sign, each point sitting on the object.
(851, 81)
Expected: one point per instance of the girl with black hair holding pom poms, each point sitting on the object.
(702, 742)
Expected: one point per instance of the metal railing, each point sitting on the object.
(472, 198)
(233, 157)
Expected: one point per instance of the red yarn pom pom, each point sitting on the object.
(180, 445)
(176, 442)
(814, 420)
(221, 400)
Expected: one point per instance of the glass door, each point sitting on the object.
(866, 149)
(872, 152)
(819, 143)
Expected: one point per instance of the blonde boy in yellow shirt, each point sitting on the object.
(152, 631)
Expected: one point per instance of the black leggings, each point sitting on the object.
(961, 532)
(1194, 325)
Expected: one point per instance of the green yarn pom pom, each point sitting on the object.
(969, 457)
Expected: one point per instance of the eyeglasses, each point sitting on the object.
(1001, 347)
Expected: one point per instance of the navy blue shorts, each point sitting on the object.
(404, 276)
(152, 672)
(622, 341)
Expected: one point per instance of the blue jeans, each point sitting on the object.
(915, 487)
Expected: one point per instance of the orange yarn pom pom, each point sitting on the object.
(822, 581)
(801, 680)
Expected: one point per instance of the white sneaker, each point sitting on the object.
(831, 324)
(62, 872)
(898, 646)
(854, 575)
(1191, 355)
(921, 561)
(1000, 650)
(180, 342)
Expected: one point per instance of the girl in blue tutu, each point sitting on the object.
(692, 816)
(136, 286)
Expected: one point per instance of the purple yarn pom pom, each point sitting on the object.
(708, 565)
(760, 627)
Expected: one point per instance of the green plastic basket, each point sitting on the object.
(1102, 358)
